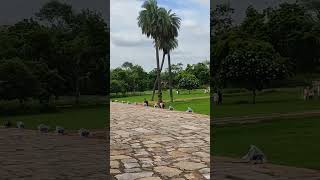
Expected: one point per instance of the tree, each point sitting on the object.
(169, 42)
(254, 24)
(175, 70)
(80, 45)
(201, 71)
(253, 65)
(65, 50)
(153, 23)
(313, 6)
(56, 14)
(51, 83)
(132, 77)
(220, 19)
(116, 86)
(292, 31)
(18, 82)
(188, 81)
(156, 81)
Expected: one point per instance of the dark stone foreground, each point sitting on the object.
(30, 155)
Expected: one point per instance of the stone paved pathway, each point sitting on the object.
(29, 155)
(155, 144)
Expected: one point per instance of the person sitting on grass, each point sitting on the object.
(311, 93)
(219, 97)
(7, 124)
(215, 98)
(306, 93)
(161, 105)
(145, 102)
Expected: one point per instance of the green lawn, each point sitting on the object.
(238, 104)
(89, 118)
(272, 101)
(200, 106)
(198, 93)
(288, 142)
(91, 113)
(292, 142)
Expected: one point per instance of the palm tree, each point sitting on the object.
(153, 22)
(169, 42)
(166, 47)
(156, 81)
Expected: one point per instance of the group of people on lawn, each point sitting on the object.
(308, 93)
(159, 105)
(217, 99)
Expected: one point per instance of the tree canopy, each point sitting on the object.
(65, 50)
(268, 45)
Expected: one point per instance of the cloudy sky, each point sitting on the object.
(240, 6)
(128, 44)
(12, 11)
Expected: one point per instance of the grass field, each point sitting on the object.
(197, 100)
(89, 118)
(272, 101)
(91, 113)
(238, 104)
(293, 142)
(198, 93)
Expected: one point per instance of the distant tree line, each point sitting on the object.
(130, 78)
(58, 52)
(267, 46)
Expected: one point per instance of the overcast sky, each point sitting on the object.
(128, 44)
(240, 6)
(12, 11)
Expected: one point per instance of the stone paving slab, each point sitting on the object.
(30, 155)
(156, 144)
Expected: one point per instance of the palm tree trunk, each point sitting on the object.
(77, 90)
(254, 96)
(155, 82)
(158, 75)
(170, 77)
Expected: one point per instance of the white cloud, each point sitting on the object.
(128, 44)
(202, 2)
(127, 39)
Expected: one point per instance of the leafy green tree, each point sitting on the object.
(292, 33)
(80, 42)
(220, 19)
(51, 83)
(201, 71)
(17, 81)
(253, 65)
(56, 14)
(188, 81)
(313, 6)
(65, 50)
(254, 24)
(132, 77)
(9, 42)
(175, 70)
(117, 86)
